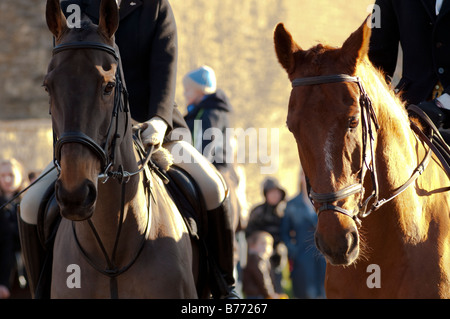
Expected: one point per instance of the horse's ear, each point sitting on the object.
(285, 47)
(56, 21)
(109, 18)
(356, 47)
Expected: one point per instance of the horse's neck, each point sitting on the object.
(398, 154)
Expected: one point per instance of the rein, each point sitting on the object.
(368, 118)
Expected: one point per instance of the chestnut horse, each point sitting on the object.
(353, 135)
(116, 239)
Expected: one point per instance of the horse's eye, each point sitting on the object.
(109, 87)
(45, 88)
(287, 125)
(353, 122)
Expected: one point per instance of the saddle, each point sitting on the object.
(179, 184)
(188, 198)
(47, 226)
(431, 136)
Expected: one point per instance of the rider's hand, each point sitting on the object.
(4, 292)
(443, 102)
(153, 132)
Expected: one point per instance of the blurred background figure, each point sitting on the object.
(208, 115)
(307, 266)
(12, 275)
(267, 217)
(256, 277)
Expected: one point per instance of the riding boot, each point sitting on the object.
(220, 240)
(33, 254)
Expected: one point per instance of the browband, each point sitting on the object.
(86, 45)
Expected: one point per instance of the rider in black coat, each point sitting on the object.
(147, 40)
(421, 27)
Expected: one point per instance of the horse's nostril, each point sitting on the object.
(84, 195)
(91, 196)
(352, 241)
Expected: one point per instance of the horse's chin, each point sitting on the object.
(343, 260)
(341, 250)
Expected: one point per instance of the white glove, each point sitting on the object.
(444, 101)
(153, 132)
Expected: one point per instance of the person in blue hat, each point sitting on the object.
(208, 109)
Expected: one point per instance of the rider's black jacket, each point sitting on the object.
(425, 41)
(147, 40)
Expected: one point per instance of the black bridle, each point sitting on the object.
(106, 154)
(106, 151)
(369, 127)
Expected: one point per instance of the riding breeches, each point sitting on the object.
(209, 180)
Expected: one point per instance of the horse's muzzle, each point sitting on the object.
(77, 204)
(338, 243)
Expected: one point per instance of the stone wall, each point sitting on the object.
(29, 141)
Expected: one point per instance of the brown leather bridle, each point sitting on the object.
(369, 127)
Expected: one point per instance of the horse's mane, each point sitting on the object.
(394, 132)
(390, 109)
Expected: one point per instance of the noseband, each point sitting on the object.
(105, 152)
(368, 117)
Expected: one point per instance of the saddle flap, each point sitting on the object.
(48, 217)
(188, 199)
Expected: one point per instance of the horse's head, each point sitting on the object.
(326, 119)
(81, 82)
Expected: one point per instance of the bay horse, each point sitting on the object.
(382, 199)
(121, 234)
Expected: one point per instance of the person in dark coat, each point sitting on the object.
(12, 181)
(6, 255)
(267, 217)
(297, 232)
(421, 28)
(256, 277)
(147, 42)
(208, 109)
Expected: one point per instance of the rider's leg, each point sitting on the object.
(220, 236)
(29, 205)
(32, 250)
